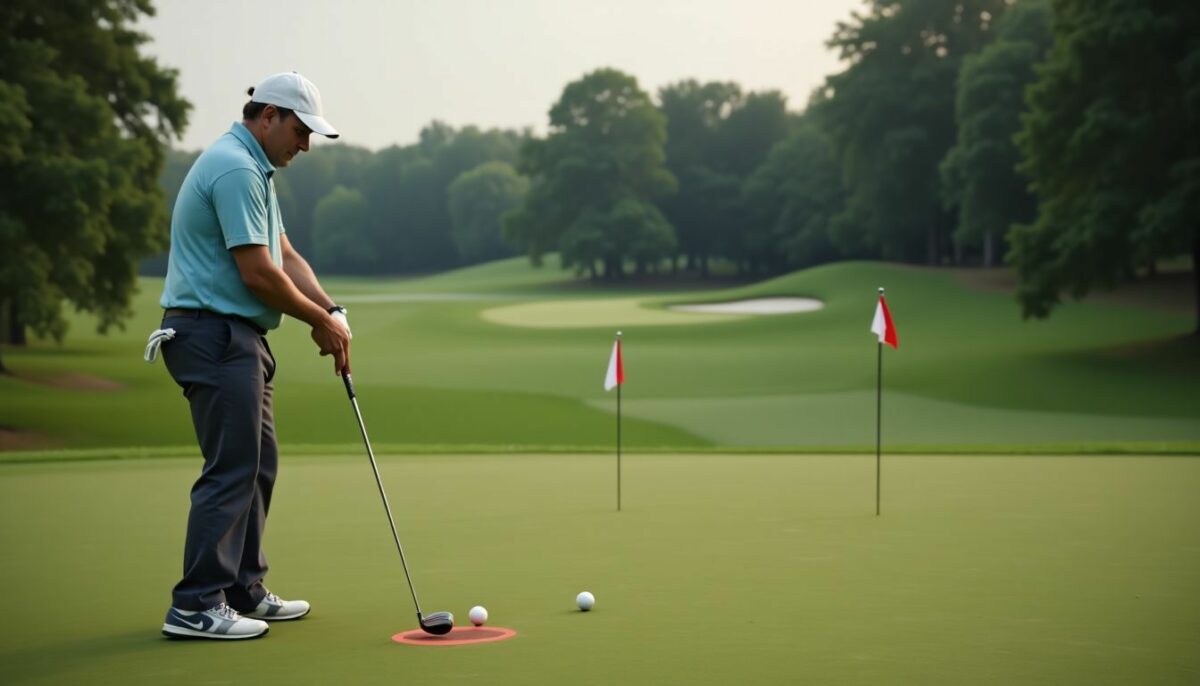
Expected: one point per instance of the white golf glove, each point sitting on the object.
(339, 313)
(155, 341)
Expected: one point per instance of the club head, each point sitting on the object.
(437, 623)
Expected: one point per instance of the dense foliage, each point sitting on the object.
(1110, 142)
(1056, 135)
(83, 122)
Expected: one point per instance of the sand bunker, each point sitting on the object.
(628, 312)
(755, 306)
(613, 312)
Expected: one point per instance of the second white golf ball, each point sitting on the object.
(478, 615)
(585, 601)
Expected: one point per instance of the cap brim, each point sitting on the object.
(318, 125)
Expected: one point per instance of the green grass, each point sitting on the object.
(735, 560)
(432, 372)
(721, 569)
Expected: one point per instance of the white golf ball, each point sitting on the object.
(585, 601)
(478, 615)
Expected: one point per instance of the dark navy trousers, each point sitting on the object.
(225, 367)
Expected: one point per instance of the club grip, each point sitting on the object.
(349, 385)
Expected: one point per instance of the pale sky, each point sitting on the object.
(386, 69)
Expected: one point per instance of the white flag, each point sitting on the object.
(882, 325)
(616, 371)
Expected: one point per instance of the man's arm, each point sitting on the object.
(274, 287)
(302, 275)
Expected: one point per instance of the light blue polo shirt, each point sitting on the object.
(226, 200)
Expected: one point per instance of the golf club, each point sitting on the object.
(439, 622)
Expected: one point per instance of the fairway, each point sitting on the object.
(721, 569)
(737, 558)
(507, 357)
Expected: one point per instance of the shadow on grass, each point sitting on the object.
(158, 659)
(1178, 353)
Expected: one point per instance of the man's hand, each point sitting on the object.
(276, 288)
(339, 313)
(333, 338)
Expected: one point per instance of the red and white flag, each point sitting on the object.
(616, 371)
(883, 326)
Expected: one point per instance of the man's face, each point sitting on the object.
(283, 138)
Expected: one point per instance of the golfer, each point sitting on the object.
(231, 275)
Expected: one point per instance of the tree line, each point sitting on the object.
(1061, 137)
(1056, 136)
(423, 207)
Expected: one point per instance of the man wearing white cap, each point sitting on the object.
(231, 275)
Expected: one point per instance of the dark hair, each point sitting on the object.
(251, 110)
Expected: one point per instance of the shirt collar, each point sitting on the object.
(247, 139)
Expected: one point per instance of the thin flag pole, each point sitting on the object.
(882, 327)
(619, 437)
(878, 427)
(615, 376)
(878, 420)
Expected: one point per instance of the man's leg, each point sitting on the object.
(217, 363)
(246, 594)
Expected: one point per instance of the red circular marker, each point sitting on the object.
(458, 636)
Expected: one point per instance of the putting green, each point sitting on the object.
(610, 312)
(721, 569)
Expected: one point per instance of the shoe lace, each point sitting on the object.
(272, 598)
(227, 612)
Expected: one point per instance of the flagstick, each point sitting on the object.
(878, 420)
(619, 440)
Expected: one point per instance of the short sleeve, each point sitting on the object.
(240, 200)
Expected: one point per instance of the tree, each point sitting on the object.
(478, 200)
(407, 205)
(890, 115)
(1110, 146)
(454, 153)
(752, 128)
(84, 120)
(311, 177)
(705, 198)
(630, 229)
(793, 198)
(744, 139)
(716, 137)
(979, 176)
(342, 232)
(599, 170)
(407, 187)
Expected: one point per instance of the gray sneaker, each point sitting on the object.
(220, 622)
(275, 609)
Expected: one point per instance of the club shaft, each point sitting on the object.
(379, 482)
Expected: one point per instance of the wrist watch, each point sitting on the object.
(336, 308)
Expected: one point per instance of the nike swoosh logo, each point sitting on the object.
(202, 625)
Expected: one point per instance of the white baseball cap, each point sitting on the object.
(293, 91)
